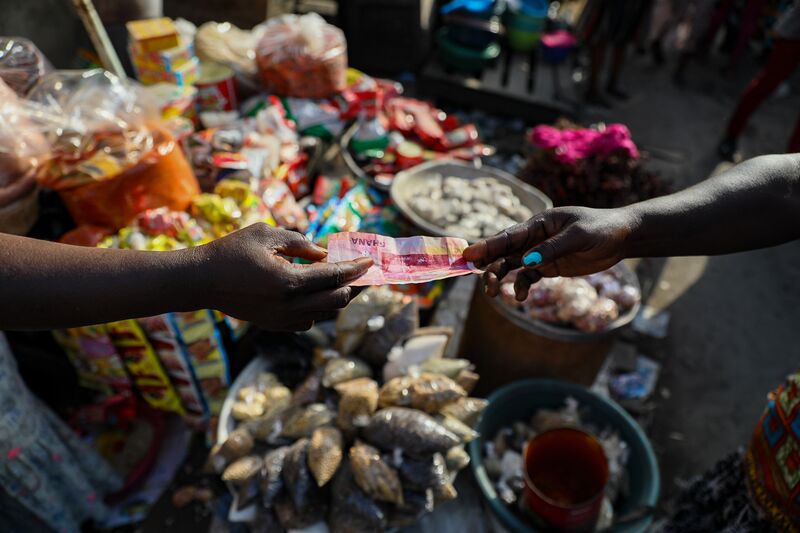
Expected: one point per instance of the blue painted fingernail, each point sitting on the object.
(533, 258)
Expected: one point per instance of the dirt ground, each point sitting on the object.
(734, 330)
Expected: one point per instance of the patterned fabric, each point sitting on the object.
(773, 458)
(44, 467)
(718, 501)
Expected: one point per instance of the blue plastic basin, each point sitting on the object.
(521, 399)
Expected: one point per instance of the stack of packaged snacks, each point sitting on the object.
(95, 359)
(165, 340)
(160, 54)
(144, 366)
(202, 345)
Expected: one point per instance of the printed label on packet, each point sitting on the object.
(405, 260)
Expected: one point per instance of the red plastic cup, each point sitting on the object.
(566, 472)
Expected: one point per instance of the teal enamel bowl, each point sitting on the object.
(521, 399)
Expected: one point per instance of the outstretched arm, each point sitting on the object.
(49, 285)
(753, 205)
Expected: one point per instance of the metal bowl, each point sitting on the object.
(406, 184)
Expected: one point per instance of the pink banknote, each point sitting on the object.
(406, 260)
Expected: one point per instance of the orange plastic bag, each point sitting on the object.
(161, 178)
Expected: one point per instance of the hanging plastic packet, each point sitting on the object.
(370, 135)
(314, 118)
(281, 202)
(347, 216)
(95, 359)
(295, 175)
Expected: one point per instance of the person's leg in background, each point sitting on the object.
(783, 60)
(751, 14)
(718, 17)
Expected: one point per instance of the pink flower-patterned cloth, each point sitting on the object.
(573, 145)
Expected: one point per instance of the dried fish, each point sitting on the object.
(308, 499)
(467, 410)
(271, 482)
(351, 325)
(374, 475)
(266, 426)
(467, 379)
(344, 369)
(308, 391)
(238, 444)
(242, 411)
(247, 392)
(415, 504)
(409, 430)
(243, 470)
(445, 366)
(459, 428)
(428, 473)
(276, 396)
(431, 392)
(358, 401)
(301, 422)
(456, 459)
(396, 327)
(352, 510)
(324, 453)
(396, 392)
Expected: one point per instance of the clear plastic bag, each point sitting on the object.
(110, 159)
(302, 56)
(21, 64)
(23, 148)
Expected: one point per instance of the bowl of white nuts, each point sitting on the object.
(456, 199)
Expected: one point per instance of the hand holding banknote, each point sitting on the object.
(404, 260)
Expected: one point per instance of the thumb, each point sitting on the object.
(551, 250)
(294, 244)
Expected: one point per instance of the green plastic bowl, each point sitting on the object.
(519, 400)
(522, 40)
(462, 58)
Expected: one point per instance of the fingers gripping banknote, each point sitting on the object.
(405, 260)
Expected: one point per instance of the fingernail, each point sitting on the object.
(533, 258)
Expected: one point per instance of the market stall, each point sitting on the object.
(392, 414)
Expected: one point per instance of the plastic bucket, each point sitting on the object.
(506, 344)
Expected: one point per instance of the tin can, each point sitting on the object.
(216, 90)
(566, 472)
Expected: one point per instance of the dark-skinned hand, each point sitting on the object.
(566, 241)
(252, 279)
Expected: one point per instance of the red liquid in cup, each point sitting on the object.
(566, 472)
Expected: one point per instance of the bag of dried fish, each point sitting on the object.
(396, 392)
(358, 401)
(307, 498)
(238, 444)
(431, 392)
(352, 511)
(415, 505)
(351, 324)
(467, 410)
(467, 380)
(243, 475)
(374, 475)
(271, 482)
(324, 453)
(308, 391)
(458, 428)
(414, 432)
(447, 367)
(456, 459)
(302, 421)
(344, 369)
(396, 327)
